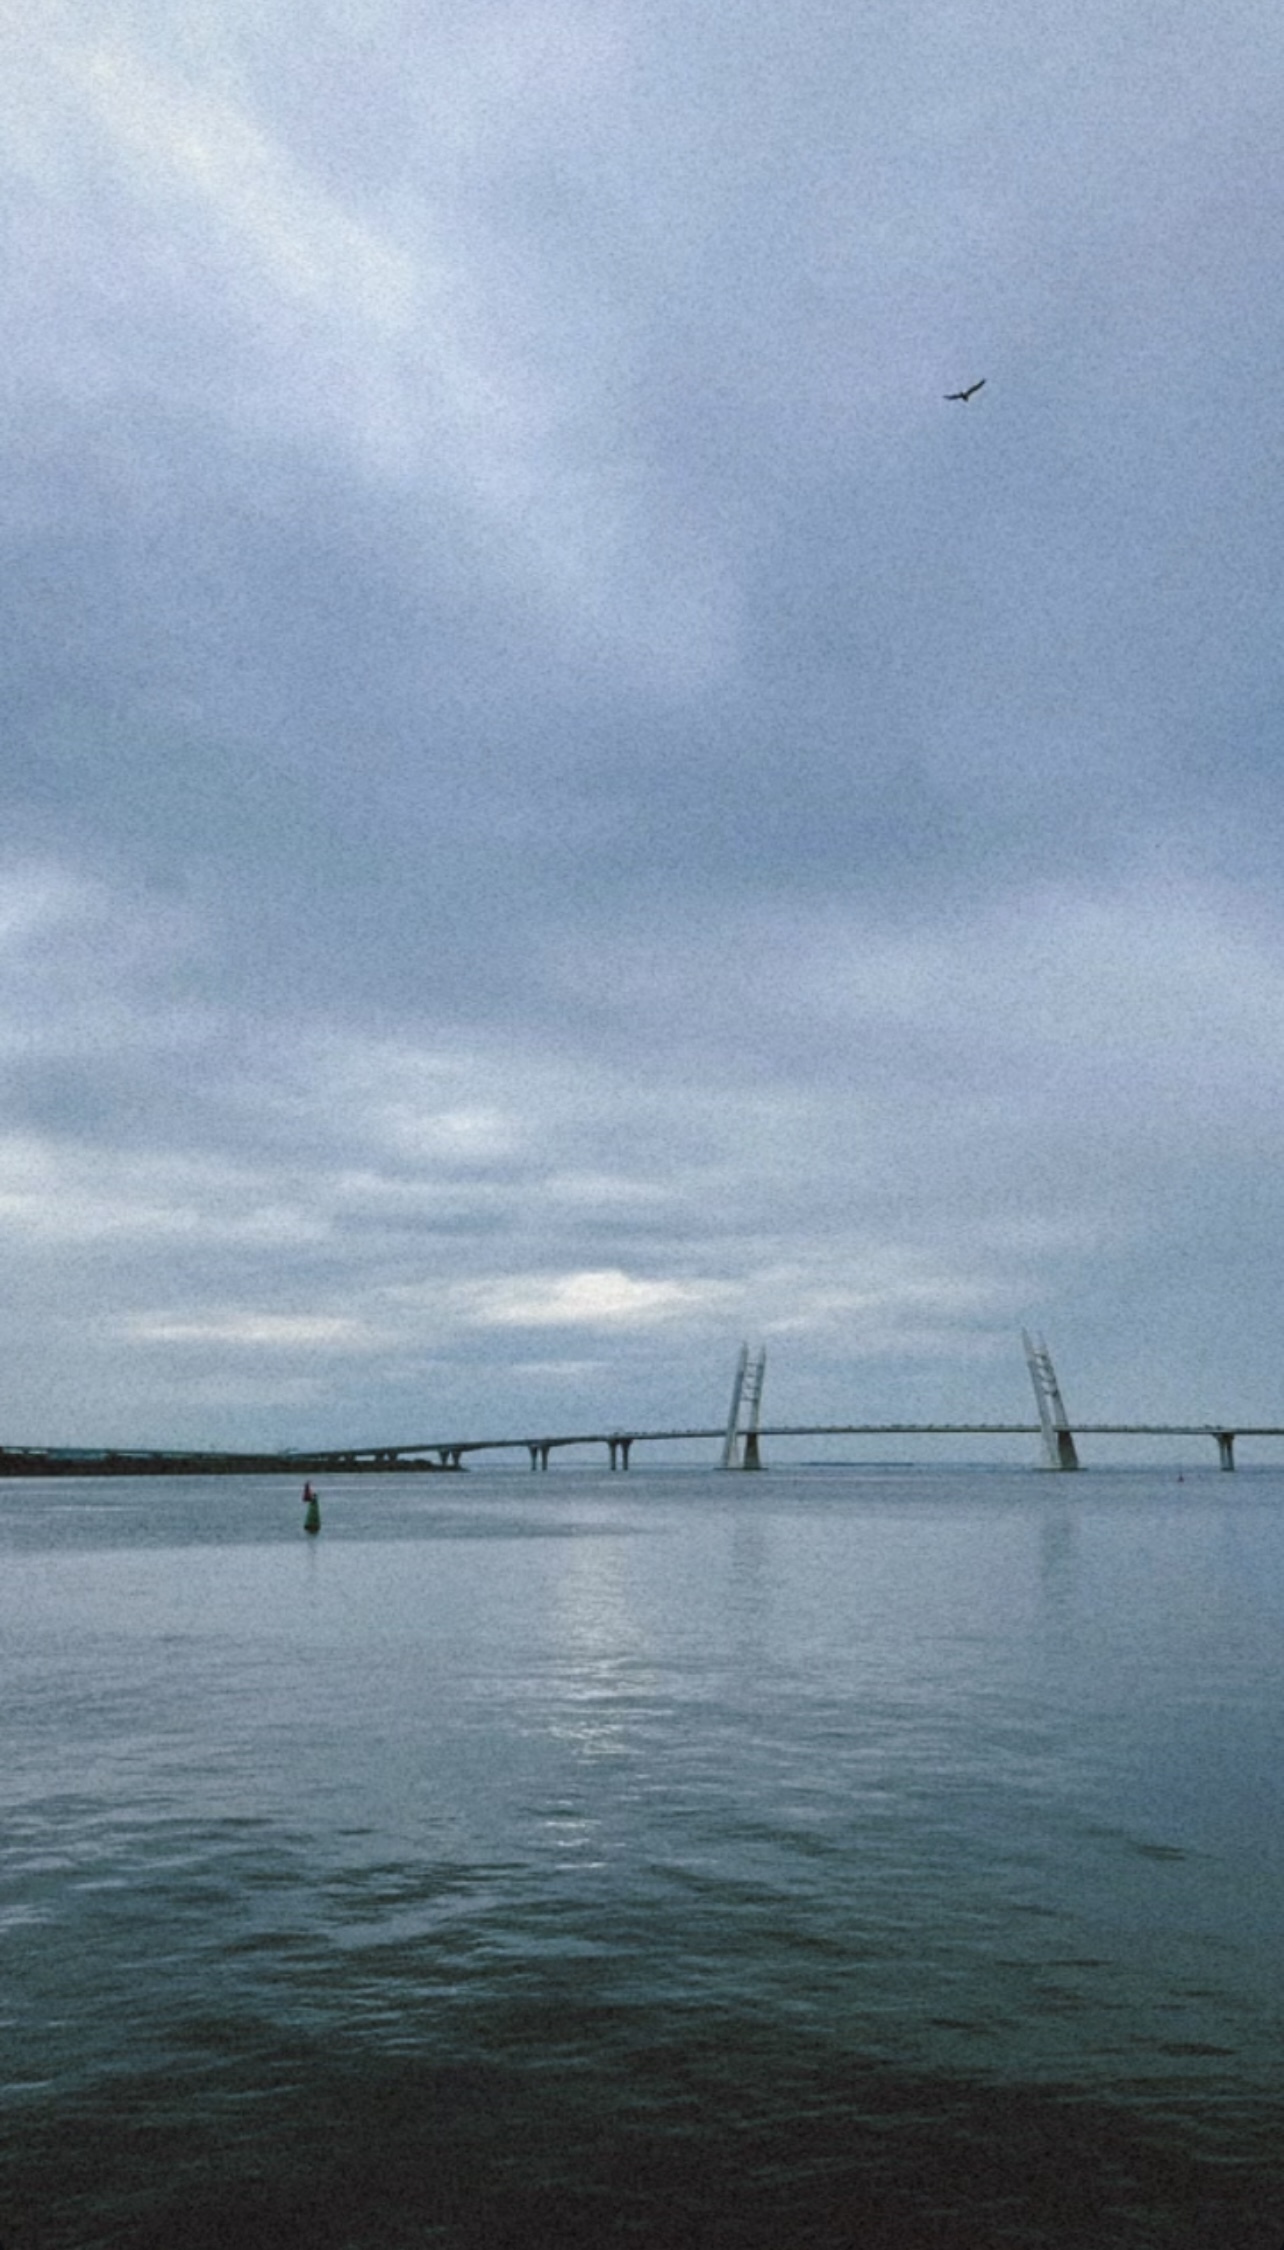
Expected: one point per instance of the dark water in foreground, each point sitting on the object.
(740, 1863)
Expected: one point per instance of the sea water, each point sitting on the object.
(814, 1858)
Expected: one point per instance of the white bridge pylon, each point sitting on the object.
(1058, 1439)
(740, 1446)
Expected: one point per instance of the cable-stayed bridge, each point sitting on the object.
(436, 1454)
(741, 1437)
(453, 1453)
(618, 1444)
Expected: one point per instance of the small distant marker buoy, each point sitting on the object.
(311, 1510)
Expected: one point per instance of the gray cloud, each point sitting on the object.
(561, 805)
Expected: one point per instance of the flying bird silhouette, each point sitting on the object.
(970, 392)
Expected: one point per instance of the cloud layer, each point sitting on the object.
(561, 805)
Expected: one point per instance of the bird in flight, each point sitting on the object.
(970, 392)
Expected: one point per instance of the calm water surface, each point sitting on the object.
(891, 1860)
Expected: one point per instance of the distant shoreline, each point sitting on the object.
(26, 1462)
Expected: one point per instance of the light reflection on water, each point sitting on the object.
(710, 1795)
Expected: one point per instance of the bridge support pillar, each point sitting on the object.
(1225, 1448)
(1058, 1439)
(620, 1447)
(539, 1450)
(740, 1446)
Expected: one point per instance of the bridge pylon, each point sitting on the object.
(740, 1446)
(1058, 1439)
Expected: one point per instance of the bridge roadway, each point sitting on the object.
(619, 1443)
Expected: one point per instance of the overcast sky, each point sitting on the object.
(561, 806)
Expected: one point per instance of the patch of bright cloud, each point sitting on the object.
(252, 1331)
(37, 901)
(189, 141)
(52, 1192)
(607, 1298)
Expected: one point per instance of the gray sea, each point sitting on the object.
(823, 1858)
